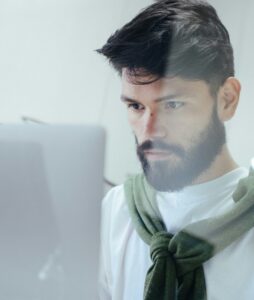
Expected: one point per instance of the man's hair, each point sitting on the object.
(171, 38)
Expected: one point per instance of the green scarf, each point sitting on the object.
(177, 271)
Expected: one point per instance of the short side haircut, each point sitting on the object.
(171, 38)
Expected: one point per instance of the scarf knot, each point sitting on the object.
(159, 247)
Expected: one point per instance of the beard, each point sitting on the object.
(172, 176)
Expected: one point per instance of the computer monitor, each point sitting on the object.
(51, 186)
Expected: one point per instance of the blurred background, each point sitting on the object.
(49, 70)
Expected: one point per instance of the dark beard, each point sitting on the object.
(165, 176)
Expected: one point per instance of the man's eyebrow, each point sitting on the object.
(168, 97)
(164, 98)
(127, 99)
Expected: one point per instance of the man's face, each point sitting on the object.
(176, 127)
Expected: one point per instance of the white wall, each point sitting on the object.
(238, 18)
(49, 71)
(48, 67)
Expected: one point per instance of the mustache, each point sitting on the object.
(160, 145)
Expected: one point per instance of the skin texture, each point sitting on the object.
(179, 114)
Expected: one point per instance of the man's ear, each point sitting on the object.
(228, 98)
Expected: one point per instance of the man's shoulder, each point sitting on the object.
(116, 221)
(115, 198)
(114, 201)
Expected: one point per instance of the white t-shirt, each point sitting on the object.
(125, 258)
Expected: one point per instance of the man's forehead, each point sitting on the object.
(138, 76)
(174, 87)
(164, 85)
(135, 83)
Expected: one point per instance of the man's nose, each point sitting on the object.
(153, 127)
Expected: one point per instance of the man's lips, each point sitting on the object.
(157, 154)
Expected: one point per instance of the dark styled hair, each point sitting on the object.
(171, 38)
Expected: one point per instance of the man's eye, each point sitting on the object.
(135, 106)
(174, 104)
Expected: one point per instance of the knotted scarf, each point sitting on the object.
(177, 260)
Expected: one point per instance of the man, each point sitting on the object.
(176, 232)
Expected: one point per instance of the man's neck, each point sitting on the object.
(222, 164)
